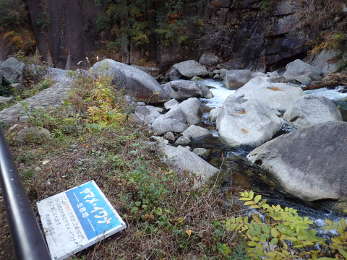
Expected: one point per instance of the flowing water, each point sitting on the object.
(338, 95)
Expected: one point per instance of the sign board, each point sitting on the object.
(76, 219)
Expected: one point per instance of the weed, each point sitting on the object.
(283, 234)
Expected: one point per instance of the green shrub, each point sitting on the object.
(283, 234)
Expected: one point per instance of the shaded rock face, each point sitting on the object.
(244, 34)
(264, 38)
(311, 110)
(71, 28)
(243, 121)
(137, 83)
(310, 163)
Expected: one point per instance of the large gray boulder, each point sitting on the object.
(191, 110)
(234, 79)
(182, 159)
(311, 110)
(309, 163)
(12, 70)
(136, 82)
(194, 132)
(170, 104)
(327, 61)
(183, 89)
(302, 72)
(190, 69)
(243, 121)
(179, 117)
(173, 74)
(278, 96)
(172, 121)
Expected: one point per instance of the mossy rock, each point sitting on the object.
(32, 135)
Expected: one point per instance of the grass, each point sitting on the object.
(166, 218)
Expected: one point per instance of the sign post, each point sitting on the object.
(77, 218)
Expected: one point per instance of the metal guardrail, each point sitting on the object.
(27, 237)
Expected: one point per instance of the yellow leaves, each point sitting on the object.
(189, 232)
(251, 200)
(22, 39)
(96, 99)
(246, 195)
(257, 198)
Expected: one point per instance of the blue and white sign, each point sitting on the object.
(76, 219)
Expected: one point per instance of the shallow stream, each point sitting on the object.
(337, 94)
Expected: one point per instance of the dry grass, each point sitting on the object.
(166, 218)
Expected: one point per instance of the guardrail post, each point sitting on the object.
(26, 234)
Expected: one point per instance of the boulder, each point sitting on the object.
(234, 79)
(153, 71)
(209, 59)
(194, 132)
(36, 135)
(202, 152)
(310, 110)
(179, 117)
(158, 140)
(12, 70)
(173, 74)
(170, 104)
(49, 98)
(326, 61)
(243, 121)
(191, 110)
(136, 82)
(182, 159)
(278, 96)
(147, 114)
(302, 72)
(182, 140)
(5, 100)
(183, 89)
(309, 163)
(190, 68)
(170, 136)
(172, 121)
